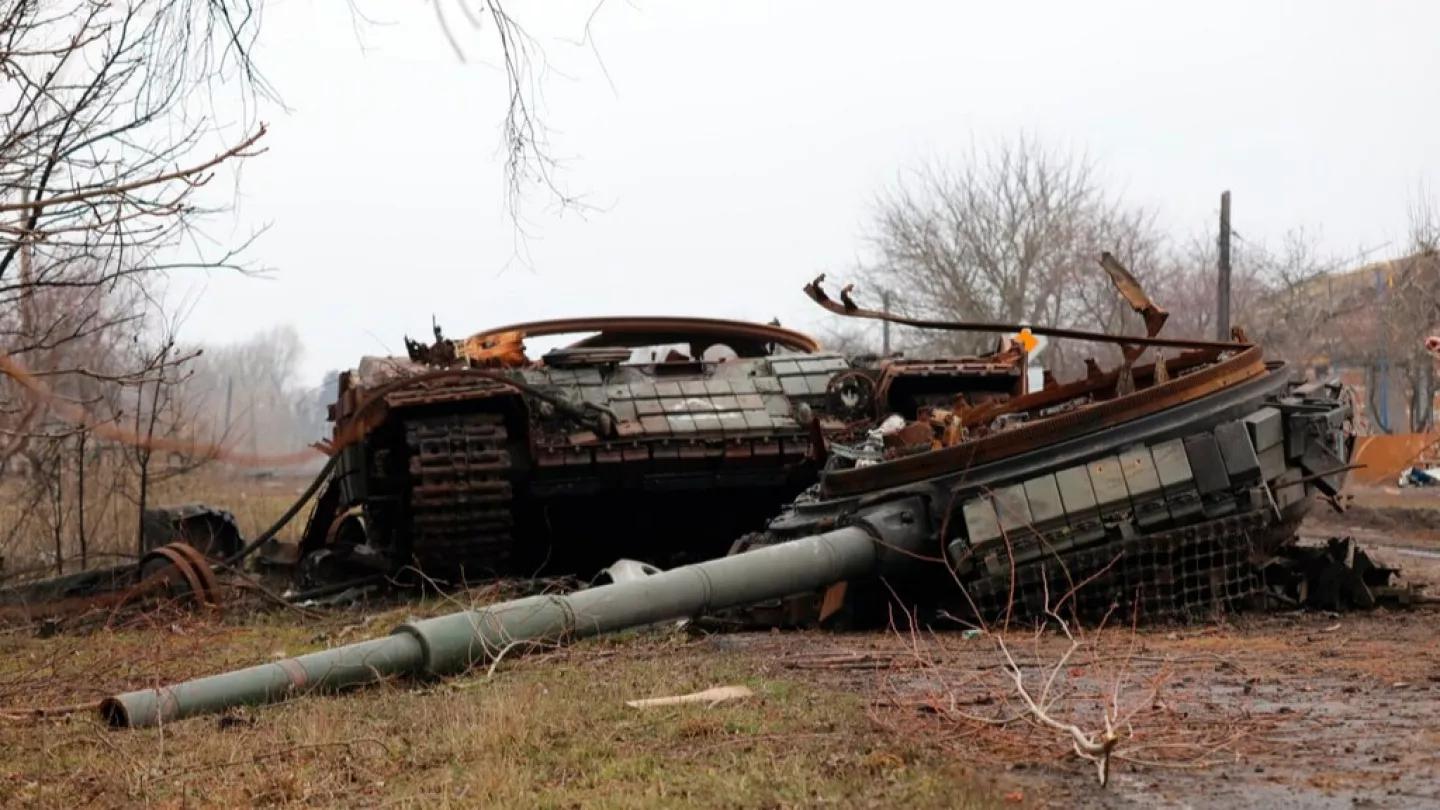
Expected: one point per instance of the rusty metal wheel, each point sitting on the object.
(185, 572)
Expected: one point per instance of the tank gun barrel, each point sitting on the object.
(447, 645)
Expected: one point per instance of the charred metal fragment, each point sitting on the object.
(1134, 294)
(211, 531)
(175, 573)
(1337, 575)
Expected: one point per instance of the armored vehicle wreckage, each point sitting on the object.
(1161, 490)
(1156, 490)
(662, 438)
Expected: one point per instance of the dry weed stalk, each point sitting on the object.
(1096, 746)
(1049, 689)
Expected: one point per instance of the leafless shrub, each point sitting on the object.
(1022, 690)
(247, 394)
(525, 138)
(1416, 305)
(1424, 216)
(101, 153)
(1075, 679)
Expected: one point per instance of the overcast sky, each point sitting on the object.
(736, 148)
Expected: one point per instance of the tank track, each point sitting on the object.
(460, 495)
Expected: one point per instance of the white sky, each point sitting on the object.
(742, 145)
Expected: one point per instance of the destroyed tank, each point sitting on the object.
(1160, 491)
(1151, 491)
(660, 438)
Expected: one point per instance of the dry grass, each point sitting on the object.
(551, 730)
(27, 524)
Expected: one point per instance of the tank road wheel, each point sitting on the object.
(460, 495)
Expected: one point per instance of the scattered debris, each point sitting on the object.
(172, 574)
(710, 697)
(847, 660)
(1419, 477)
(1338, 575)
(211, 531)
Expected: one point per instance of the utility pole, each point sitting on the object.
(1222, 286)
(229, 396)
(1382, 374)
(254, 436)
(885, 325)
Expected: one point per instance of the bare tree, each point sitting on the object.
(101, 154)
(1186, 285)
(1284, 298)
(1010, 234)
(1325, 313)
(528, 158)
(1424, 216)
(247, 393)
(1414, 310)
(105, 137)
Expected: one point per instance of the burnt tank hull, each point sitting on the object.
(604, 448)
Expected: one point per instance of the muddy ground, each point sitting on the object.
(1283, 711)
(1301, 709)
(1305, 709)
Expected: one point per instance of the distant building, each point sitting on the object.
(1368, 326)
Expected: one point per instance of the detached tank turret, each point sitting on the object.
(1159, 490)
